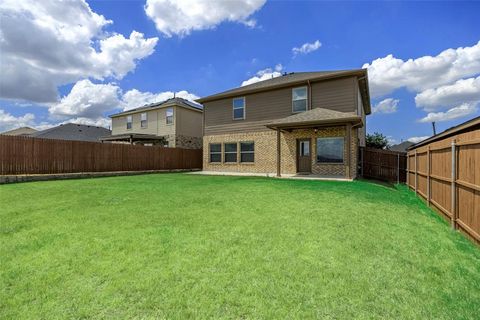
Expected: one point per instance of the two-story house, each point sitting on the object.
(172, 123)
(298, 123)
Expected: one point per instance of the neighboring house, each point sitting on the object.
(401, 147)
(23, 131)
(298, 123)
(175, 122)
(73, 131)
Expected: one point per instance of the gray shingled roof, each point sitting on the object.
(315, 116)
(286, 79)
(401, 147)
(22, 131)
(163, 104)
(72, 131)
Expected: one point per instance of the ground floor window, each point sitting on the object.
(247, 152)
(330, 150)
(230, 152)
(215, 152)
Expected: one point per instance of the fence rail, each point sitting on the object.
(446, 174)
(383, 164)
(27, 155)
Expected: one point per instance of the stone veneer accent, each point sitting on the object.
(180, 141)
(266, 152)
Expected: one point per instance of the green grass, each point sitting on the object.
(181, 246)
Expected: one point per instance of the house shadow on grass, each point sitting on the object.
(382, 183)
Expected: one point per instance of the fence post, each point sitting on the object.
(416, 171)
(454, 193)
(407, 173)
(428, 176)
(398, 168)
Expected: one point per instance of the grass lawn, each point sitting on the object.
(182, 246)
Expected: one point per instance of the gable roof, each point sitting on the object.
(401, 147)
(22, 131)
(313, 117)
(469, 125)
(73, 131)
(163, 104)
(296, 78)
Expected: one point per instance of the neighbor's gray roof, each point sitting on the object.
(314, 117)
(19, 131)
(292, 79)
(401, 147)
(163, 104)
(72, 131)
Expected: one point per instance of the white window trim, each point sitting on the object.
(127, 122)
(244, 108)
(306, 100)
(146, 120)
(241, 152)
(230, 152)
(173, 116)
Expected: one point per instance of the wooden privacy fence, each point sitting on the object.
(383, 164)
(446, 174)
(26, 155)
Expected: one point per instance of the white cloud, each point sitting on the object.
(46, 44)
(180, 17)
(462, 91)
(87, 99)
(417, 139)
(461, 111)
(9, 121)
(265, 74)
(134, 98)
(389, 73)
(388, 105)
(97, 122)
(306, 48)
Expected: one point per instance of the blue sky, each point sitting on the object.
(205, 54)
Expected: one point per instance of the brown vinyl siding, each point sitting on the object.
(263, 107)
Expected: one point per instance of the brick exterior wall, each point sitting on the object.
(266, 152)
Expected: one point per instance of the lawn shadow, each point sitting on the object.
(382, 183)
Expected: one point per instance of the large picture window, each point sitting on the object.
(230, 152)
(299, 99)
(330, 150)
(143, 120)
(169, 117)
(129, 122)
(247, 152)
(215, 152)
(238, 108)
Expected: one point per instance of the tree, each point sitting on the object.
(377, 141)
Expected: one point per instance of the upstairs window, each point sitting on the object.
(143, 120)
(169, 117)
(247, 152)
(230, 152)
(239, 108)
(299, 99)
(215, 152)
(129, 122)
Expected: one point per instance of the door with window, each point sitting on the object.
(304, 160)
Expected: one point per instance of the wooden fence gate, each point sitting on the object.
(383, 164)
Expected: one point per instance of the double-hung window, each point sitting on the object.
(247, 152)
(215, 152)
(169, 117)
(230, 152)
(143, 120)
(299, 99)
(129, 122)
(239, 108)
(330, 150)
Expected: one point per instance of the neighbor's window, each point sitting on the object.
(238, 108)
(129, 122)
(247, 152)
(299, 99)
(215, 152)
(330, 150)
(169, 116)
(143, 120)
(230, 152)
